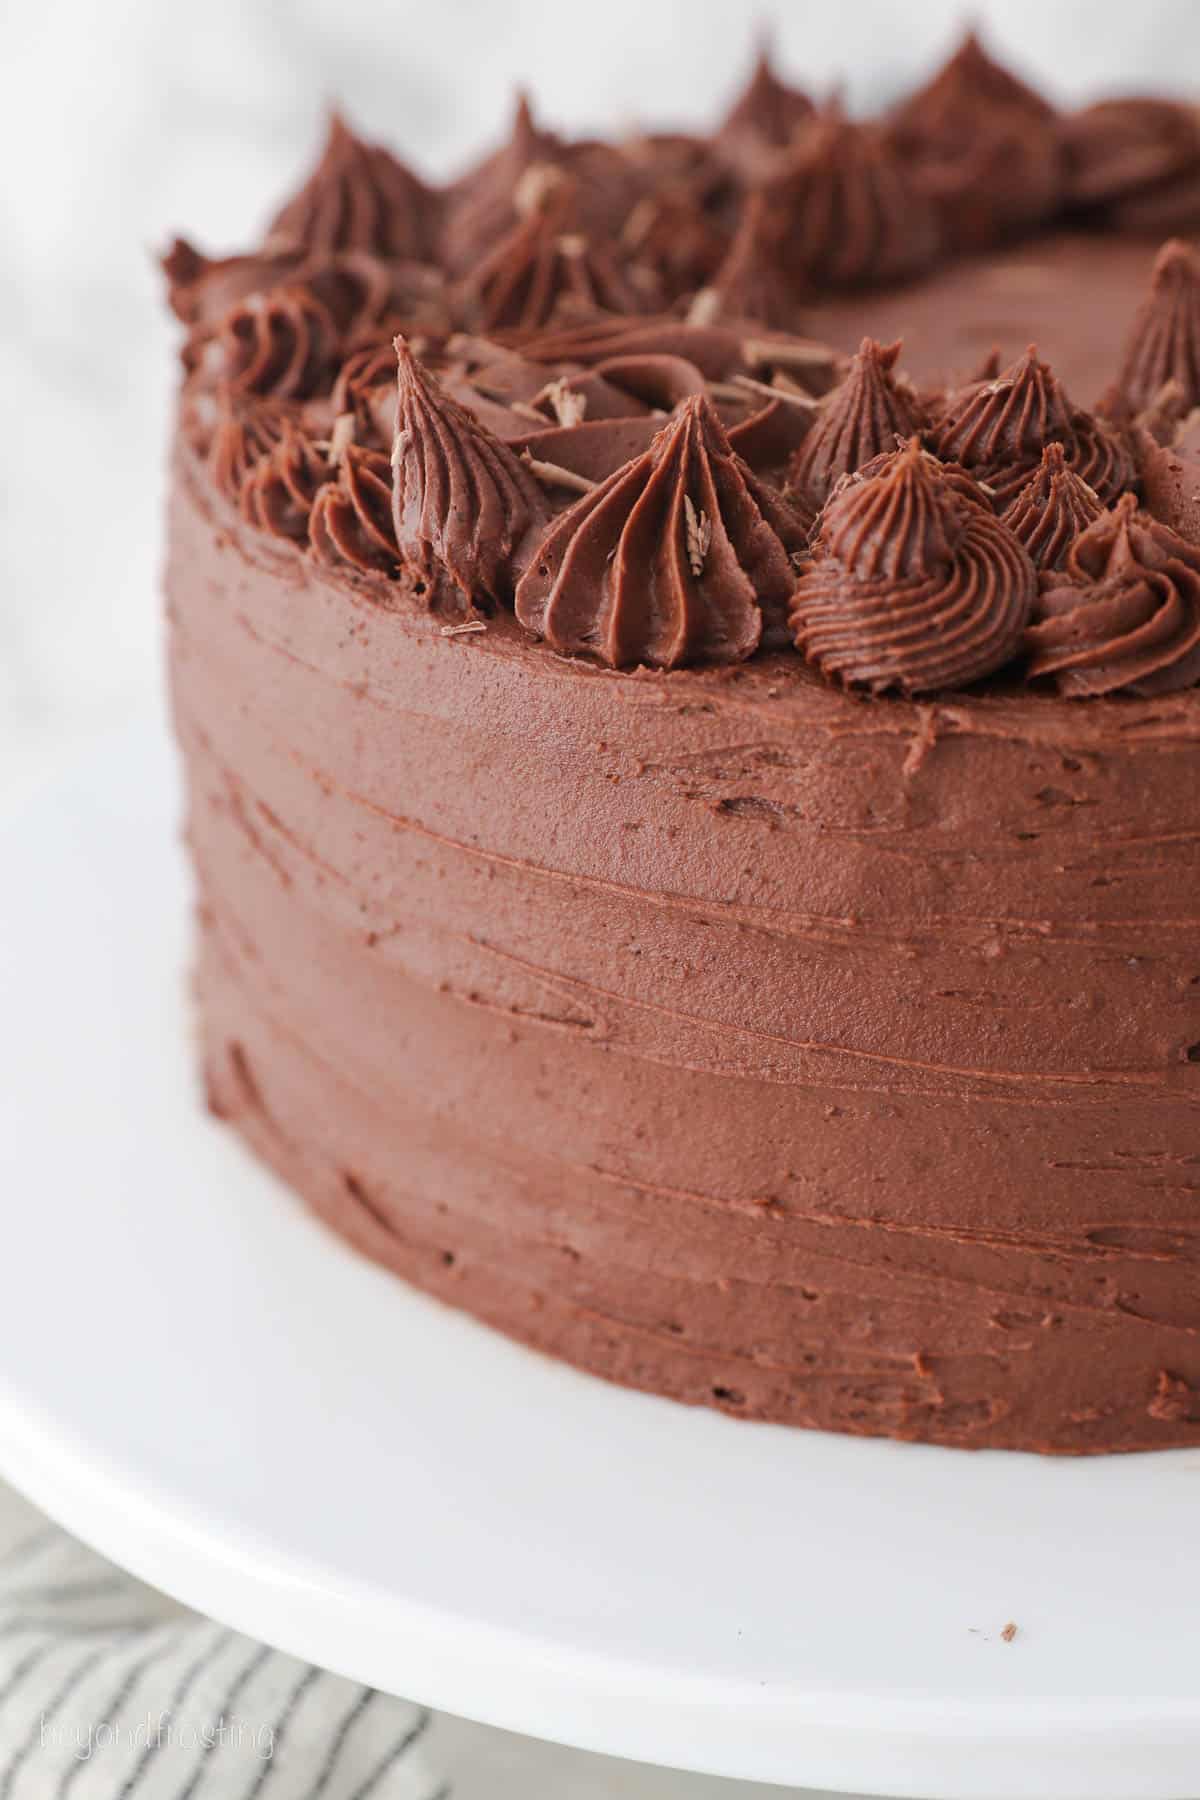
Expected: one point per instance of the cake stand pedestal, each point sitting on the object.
(199, 1381)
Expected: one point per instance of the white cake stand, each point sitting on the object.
(199, 1381)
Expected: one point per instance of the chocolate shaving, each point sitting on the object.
(699, 535)
(555, 476)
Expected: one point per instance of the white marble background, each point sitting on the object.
(124, 121)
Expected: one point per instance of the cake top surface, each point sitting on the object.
(581, 385)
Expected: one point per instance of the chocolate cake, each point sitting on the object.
(685, 653)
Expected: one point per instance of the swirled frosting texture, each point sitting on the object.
(848, 213)
(1164, 340)
(236, 435)
(1126, 618)
(278, 492)
(351, 523)
(544, 267)
(766, 116)
(579, 295)
(672, 560)
(982, 146)
(1050, 511)
(750, 282)
(464, 505)
(485, 203)
(868, 413)
(914, 587)
(201, 289)
(998, 429)
(484, 206)
(365, 390)
(357, 288)
(716, 350)
(358, 198)
(282, 345)
(363, 294)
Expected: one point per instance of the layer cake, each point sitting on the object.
(685, 654)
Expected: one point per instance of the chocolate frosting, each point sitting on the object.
(184, 268)
(468, 981)
(1006, 420)
(973, 77)
(820, 1057)
(769, 438)
(465, 507)
(363, 294)
(683, 163)
(1126, 618)
(594, 449)
(239, 436)
(655, 378)
(1099, 453)
(669, 561)
(566, 400)
(716, 350)
(283, 345)
(672, 239)
(359, 291)
(868, 413)
(1170, 475)
(359, 198)
(201, 289)
(586, 423)
(983, 147)
(767, 115)
(1164, 340)
(1163, 211)
(847, 212)
(278, 492)
(999, 428)
(1136, 162)
(914, 587)
(1161, 420)
(485, 205)
(351, 523)
(1050, 511)
(510, 422)
(365, 389)
(545, 267)
(750, 282)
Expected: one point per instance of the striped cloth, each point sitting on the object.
(110, 1692)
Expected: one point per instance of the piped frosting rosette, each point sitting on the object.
(915, 585)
